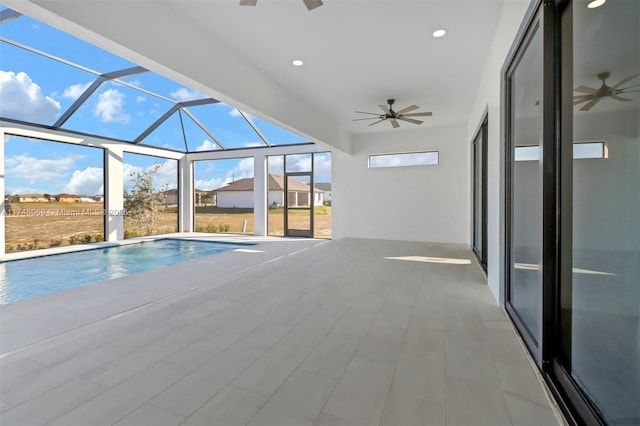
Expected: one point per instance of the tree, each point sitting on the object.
(142, 204)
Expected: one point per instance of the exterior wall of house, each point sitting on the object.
(235, 199)
(418, 203)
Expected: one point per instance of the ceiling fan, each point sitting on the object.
(394, 116)
(311, 4)
(593, 96)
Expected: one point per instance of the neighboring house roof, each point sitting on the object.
(67, 196)
(325, 186)
(31, 195)
(276, 183)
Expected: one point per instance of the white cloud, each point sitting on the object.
(207, 145)
(140, 99)
(244, 169)
(110, 107)
(234, 112)
(322, 167)
(275, 164)
(17, 190)
(183, 94)
(208, 185)
(35, 169)
(253, 144)
(86, 182)
(22, 99)
(75, 90)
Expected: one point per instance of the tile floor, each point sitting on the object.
(297, 332)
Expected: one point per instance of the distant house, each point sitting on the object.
(170, 197)
(326, 187)
(239, 194)
(32, 198)
(68, 198)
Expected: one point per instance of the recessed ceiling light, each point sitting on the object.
(297, 63)
(596, 3)
(439, 33)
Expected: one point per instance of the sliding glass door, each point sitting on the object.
(572, 203)
(600, 327)
(524, 91)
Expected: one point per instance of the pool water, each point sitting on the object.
(29, 278)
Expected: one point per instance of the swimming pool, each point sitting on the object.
(29, 278)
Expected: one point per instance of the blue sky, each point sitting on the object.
(37, 89)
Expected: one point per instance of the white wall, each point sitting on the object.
(235, 199)
(487, 99)
(419, 203)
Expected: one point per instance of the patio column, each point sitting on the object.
(260, 192)
(185, 192)
(113, 194)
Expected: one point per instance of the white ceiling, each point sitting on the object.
(357, 53)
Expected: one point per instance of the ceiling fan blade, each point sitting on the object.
(407, 109)
(590, 105)
(368, 118)
(418, 114)
(631, 77)
(385, 109)
(587, 99)
(394, 123)
(379, 121)
(410, 120)
(312, 4)
(620, 98)
(586, 89)
(248, 2)
(370, 113)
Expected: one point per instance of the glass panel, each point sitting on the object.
(227, 125)
(168, 134)
(526, 227)
(150, 195)
(224, 191)
(588, 150)
(299, 206)
(54, 194)
(163, 86)
(275, 135)
(322, 184)
(299, 163)
(42, 37)
(404, 159)
(37, 89)
(197, 139)
(275, 200)
(117, 111)
(605, 322)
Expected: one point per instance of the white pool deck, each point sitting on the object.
(286, 332)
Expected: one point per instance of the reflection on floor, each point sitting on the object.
(298, 332)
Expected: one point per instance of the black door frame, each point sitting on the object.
(481, 138)
(554, 18)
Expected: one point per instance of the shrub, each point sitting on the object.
(74, 239)
(55, 243)
(98, 237)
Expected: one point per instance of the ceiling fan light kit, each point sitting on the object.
(404, 114)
